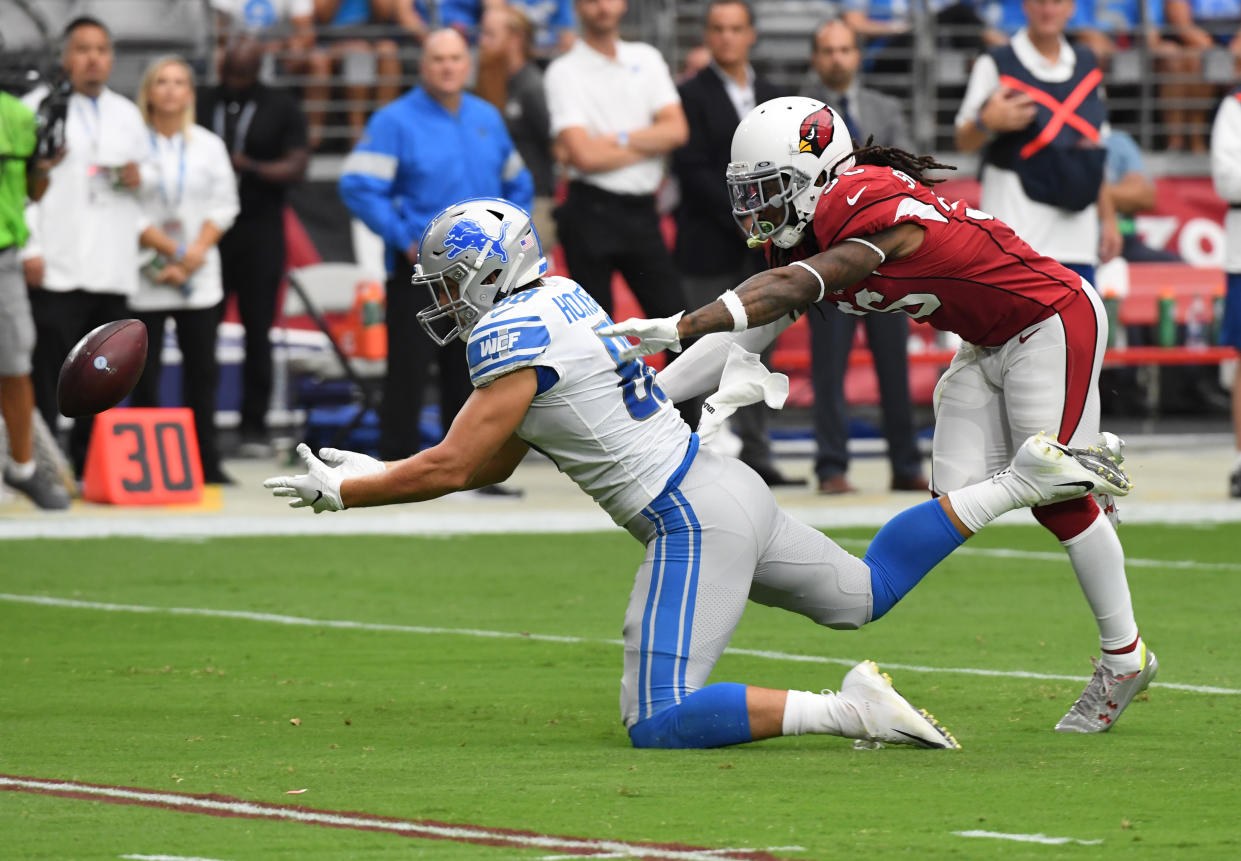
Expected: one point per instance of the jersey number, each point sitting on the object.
(639, 391)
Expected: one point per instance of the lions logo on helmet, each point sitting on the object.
(467, 235)
(470, 255)
(817, 131)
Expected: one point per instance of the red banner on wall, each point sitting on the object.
(1188, 217)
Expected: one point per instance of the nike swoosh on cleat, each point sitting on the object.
(919, 739)
(1088, 485)
(316, 499)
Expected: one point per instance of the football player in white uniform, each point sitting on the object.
(714, 535)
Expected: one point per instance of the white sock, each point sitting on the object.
(824, 714)
(979, 504)
(1099, 562)
(21, 471)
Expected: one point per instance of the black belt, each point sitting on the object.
(1234, 206)
(585, 189)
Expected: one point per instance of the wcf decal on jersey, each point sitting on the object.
(817, 130)
(469, 235)
(497, 343)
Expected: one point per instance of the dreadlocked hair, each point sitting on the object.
(894, 157)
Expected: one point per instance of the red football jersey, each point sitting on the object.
(972, 275)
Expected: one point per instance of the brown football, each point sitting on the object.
(102, 368)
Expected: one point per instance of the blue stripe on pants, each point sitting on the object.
(668, 619)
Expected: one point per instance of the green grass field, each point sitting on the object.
(523, 733)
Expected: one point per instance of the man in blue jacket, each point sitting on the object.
(435, 145)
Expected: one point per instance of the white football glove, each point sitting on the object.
(318, 489)
(653, 335)
(744, 381)
(353, 464)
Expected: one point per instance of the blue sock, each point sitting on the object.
(714, 716)
(906, 548)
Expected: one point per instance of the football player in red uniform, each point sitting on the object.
(863, 229)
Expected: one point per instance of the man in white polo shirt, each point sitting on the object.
(615, 115)
(1035, 109)
(82, 258)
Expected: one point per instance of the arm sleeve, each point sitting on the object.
(984, 78)
(699, 368)
(1226, 150)
(366, 181)
(222, 206)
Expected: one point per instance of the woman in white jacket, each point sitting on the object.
(189, 200)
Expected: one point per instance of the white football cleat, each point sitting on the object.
(1107, 695)
(1045, 470)
(1113, 447)
(887, 716)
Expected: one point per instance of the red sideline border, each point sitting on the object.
(225, 806)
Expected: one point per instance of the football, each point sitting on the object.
(102, 368)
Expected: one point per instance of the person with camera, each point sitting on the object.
(82, 261)
(22, 175)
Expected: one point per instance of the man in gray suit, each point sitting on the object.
(835, 61)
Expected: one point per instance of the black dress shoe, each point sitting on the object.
(910, 482)
(773, 477)
(215, 475)
(501, 490)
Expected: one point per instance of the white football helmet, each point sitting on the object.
(783, 156)
(471, 254)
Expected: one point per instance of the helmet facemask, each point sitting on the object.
(762, 200)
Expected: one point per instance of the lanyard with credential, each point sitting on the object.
(171, 205)
(243, 124)
(93, 129)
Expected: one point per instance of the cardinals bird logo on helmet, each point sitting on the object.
(817, 131)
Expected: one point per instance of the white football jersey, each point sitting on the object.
(603, 422)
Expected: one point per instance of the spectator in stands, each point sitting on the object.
(419, 17)
(506, 42)
(711, 252)
(616, 114)
(187, 206)
(1043, 175)
(1196, 25)
(835, 58)
(370, 68)
(22, 176)
(435, 145)
(265, 132)
(695, 60)
(263, 18)
(554, 24)
(1226, 171)
(1110, 25)
(82, 262)
(1132, 191)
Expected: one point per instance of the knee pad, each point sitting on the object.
(1069, 519)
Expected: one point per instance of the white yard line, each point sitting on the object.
(421, 829)
(166, 858)
(439, 519)
(302, 621)
(1028, 838)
